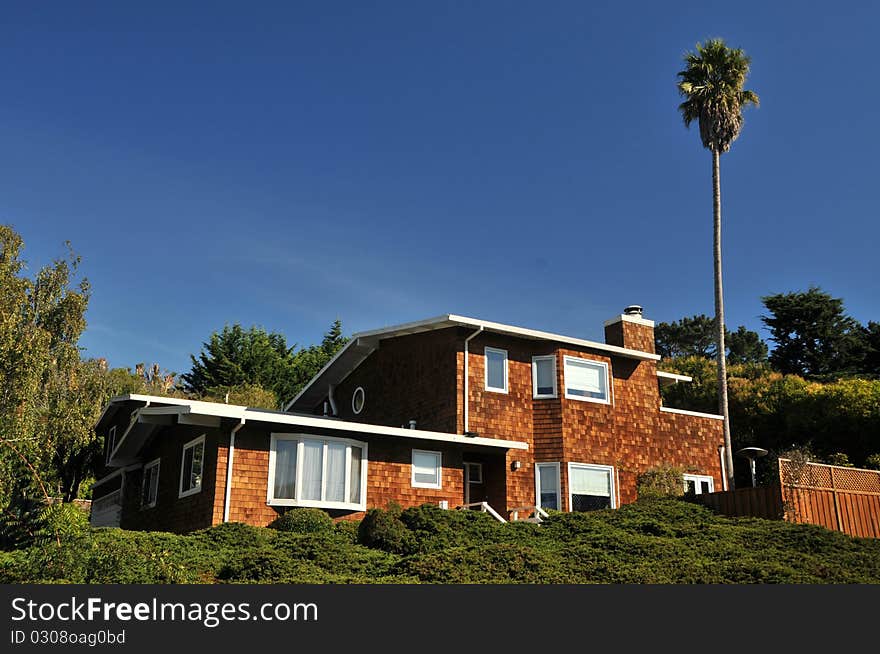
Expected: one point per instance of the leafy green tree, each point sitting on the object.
(41, 320)
(745, 346)
(813, 336)
(872, 349)
(712, 87)
(694, 336)
(241, 359)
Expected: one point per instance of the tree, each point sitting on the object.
(712, 87)
(872, 346)
(41, 320)
(687, 337)
(745, 346)
(236, 361)
(695, 337)
(813, 336)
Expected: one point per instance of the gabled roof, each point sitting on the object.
(149, 418)
(363, 344)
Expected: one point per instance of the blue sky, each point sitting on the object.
(285, 164)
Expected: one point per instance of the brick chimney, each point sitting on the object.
(631, 330)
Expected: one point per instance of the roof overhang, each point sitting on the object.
(363, 344)
(146, 421)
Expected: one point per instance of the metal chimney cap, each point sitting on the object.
(633, 310)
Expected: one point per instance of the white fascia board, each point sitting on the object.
(667, 378)
(698, 414)
(548, 336)
(278, 418)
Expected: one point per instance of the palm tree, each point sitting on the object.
(712, 87)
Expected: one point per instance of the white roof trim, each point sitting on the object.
(692, 413)
(365, 339)
(669, 378)
(243, 414)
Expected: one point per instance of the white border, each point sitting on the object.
(535, 394)
(594, 466)
(354, 397)
(697, 479)
(609, 391)
(155, 463)
(556, 465)
(496, 350)
(692, 413)
(197, 489)
(413, 481)
(271, 500)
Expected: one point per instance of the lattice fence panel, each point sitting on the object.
(818, 475)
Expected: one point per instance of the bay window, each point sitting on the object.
(317, 471)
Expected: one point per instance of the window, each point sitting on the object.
(357, 400)
(547, 486)
(474, 473)
(426, 469)
(323, 472)
(111, 442)
(586, 380)
(698, 484)
(150, 485)
(496, 370)
(590, 487)
(191, 466)
(544, 376)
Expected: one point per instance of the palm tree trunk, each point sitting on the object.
(719, 318)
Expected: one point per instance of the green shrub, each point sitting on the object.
(660, 481)
(236, 535)
(303, 521)
(348, 530)
(271, 566)
(384, 530)
(873, 462)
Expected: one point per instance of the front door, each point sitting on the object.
(474, 483)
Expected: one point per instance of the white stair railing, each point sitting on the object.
(485, 508)
(538, 512)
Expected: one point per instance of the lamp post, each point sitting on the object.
(752, 453)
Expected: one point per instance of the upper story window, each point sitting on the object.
(317, 471)
(586, 380)
(544, 376)
(191, 466)
(496, 370)
(111, 442)
(150, 485)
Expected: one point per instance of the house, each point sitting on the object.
(450, 410)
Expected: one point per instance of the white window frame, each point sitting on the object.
(359, 389)
(420, 484)
(152, 464)
(593, 466)
(318, 504)
(111, 443)
(609, 389)
(496, 350)
(557, 471)
(535, 394)
(697, 479)
(198, 487)
(471, 466)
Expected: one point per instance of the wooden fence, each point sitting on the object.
(844, 499)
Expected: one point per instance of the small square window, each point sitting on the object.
(426, 469)
(474, 473)
(150, 485)
(496, 370)
(586, 380)
(544, 376)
